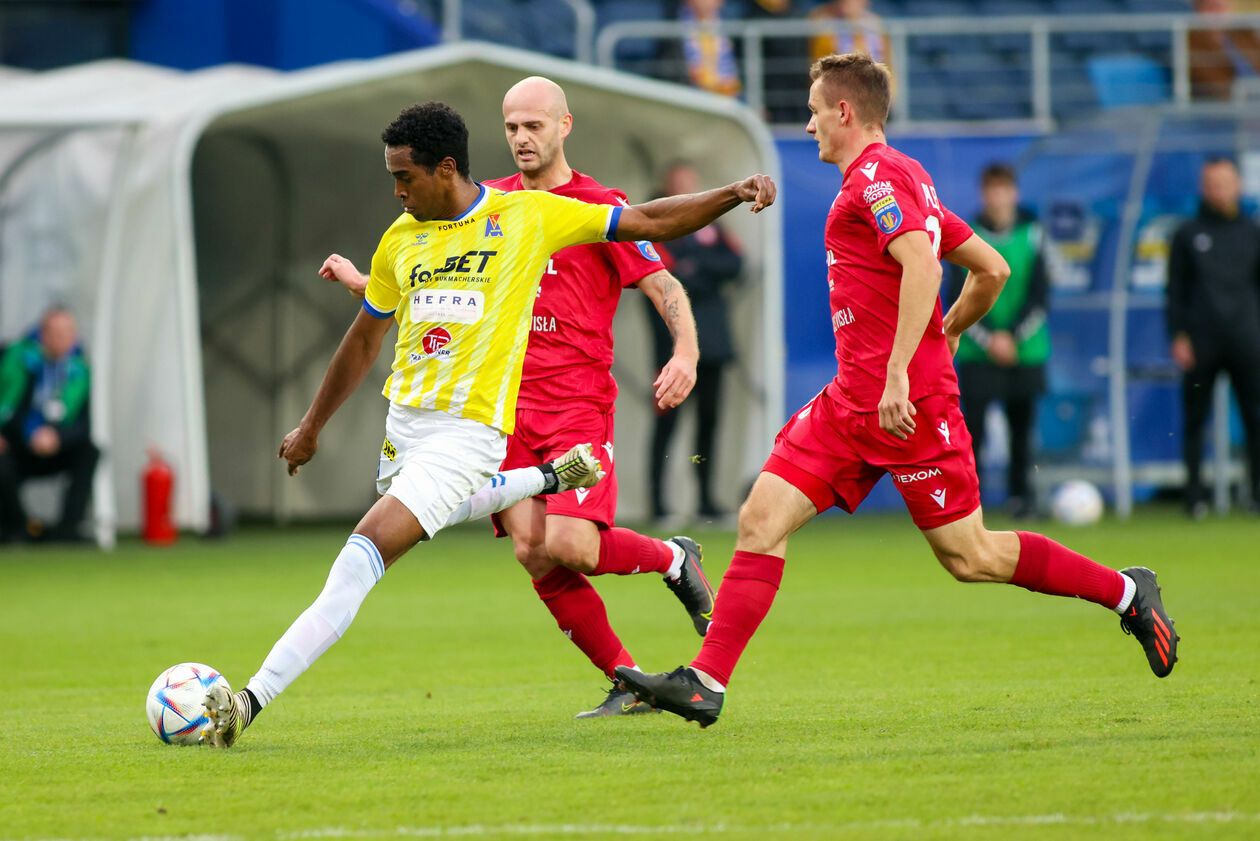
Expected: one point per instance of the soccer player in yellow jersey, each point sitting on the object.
(457, 272)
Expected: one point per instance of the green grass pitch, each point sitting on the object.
(881, 700)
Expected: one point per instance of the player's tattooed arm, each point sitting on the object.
(678, 377)
(676, 216)
(987, 272)
(340, 270)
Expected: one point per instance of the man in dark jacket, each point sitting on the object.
(1214, 318)
(1002, 357)
(44, 429)
(705, 262)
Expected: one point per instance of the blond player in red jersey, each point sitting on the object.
(892, 407)
(567, 399)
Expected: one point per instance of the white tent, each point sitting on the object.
(182, 216)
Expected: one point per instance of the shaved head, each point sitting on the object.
(537, 120)
(536, 93)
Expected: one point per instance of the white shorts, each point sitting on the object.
(432, 461)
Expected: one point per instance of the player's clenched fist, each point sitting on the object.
(298, 448)
(758, 189)
(340, 270)
(896, 412)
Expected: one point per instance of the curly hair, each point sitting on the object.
(434, 131)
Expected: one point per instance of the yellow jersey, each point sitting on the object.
(462, 291)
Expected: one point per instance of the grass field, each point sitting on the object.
(880, 700)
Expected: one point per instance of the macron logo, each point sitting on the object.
(869, 170)
(581, 494)
(944, 430)
(939, 496)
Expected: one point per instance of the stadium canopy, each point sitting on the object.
(182, 216)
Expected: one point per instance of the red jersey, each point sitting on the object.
(884, 195)
(570, 353)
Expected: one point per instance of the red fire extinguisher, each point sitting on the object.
(159, 482)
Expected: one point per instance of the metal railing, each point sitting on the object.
(751, 36)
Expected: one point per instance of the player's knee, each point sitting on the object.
(755, 529)
(572, 552)
(532, 556)
(979, 562)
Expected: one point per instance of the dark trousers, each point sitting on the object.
(706, 396)
(18, 463)
(1241, 360)
(1017, 389)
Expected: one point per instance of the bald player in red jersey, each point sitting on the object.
(892, 407)
(567, 398)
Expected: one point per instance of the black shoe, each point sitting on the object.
(618, 702)
(691, 587)
(1147, 620)
(679, 692)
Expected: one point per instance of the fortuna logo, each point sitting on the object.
(581, 494)
(869, 170)
(876, 191)
(917, 475)
(943, 428)
(492, 226)
(939, 496)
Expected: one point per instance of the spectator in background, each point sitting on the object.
(709, 54)
(786, 72)
(1218, 57)
(1002, 357)
(1214, 318)
(866, 33)
(705, 262)
(44, 388)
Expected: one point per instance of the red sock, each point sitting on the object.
(744, 598)
(626, 552)
(1048, 567)
(580, 613)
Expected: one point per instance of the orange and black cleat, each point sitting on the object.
(1147, 620)
(679, 692)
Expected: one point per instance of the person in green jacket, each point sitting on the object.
(44, 427)
(1003, 356)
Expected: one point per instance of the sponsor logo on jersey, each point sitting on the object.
(938, 496)
(450, 226)
(581, 493)
(543, 324)
(887, 214)
(420, 238)
(646, 249)
(842, 317)
(943, 429)
(434, 345)
(876, 191)
(492, 226)
(869, 170)
(389, 451)
(918, 475)
(462, 306)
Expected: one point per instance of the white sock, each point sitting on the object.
(675, 566)
(1130, 587)
(504, 490)
(353, 574)
(709, 683)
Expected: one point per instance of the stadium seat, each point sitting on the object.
(991, 8)
(616, 11)
(498, 21)
(1158, 6)
(554, 26)
(938, 8)
(1121, 80)
(1087, 7)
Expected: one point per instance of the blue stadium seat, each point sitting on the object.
(888, 8)
(1087, 7)
(1071, 89)
(554, 27)
(938, 8)
(1153, 41)
(1091, 42)
(498, 21)
(1014, 7)
(1158, 6)
(1128, 80)
(615, 11)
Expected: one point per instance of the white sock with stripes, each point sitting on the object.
(353, 574)
(504, 490)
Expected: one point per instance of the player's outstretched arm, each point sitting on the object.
(340, 270)
(987, 272)
(676, 216)
(350, 364)
(678, 377)
(920, 286)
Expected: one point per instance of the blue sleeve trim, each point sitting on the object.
(613, 218)
(375, 313)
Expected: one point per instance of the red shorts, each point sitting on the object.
(835, 456)
(542, 436)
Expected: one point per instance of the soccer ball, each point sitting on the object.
(1077, 503)
(174, 705)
